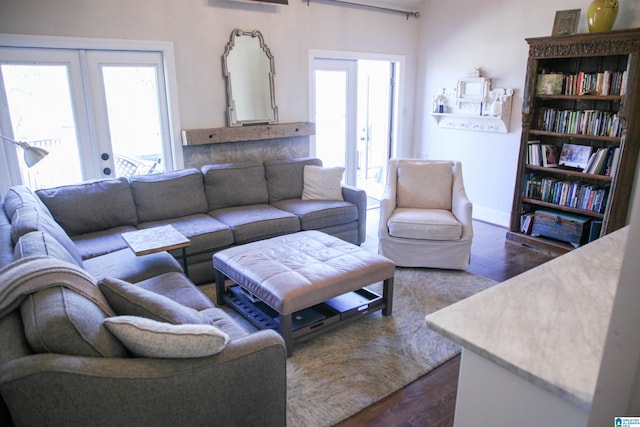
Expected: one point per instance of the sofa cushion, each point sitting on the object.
(316, 214)
(205, 233)
(257, 222)
(425, 185)
(178, 288)
(168, 195)
(125, 265)
(37, 243)
(223, 321)
(322, 183)
(235, 184)
(424, 224)
(285, 178)
(58, 320)
(101, 242)
(130, 300)
(19, 196)
(30, 218)
(149, 338)
(105, 204)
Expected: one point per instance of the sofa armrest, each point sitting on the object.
(358, 197)
(243, 385)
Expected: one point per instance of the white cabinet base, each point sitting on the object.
(489, 395)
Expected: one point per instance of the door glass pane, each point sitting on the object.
(134, 119)
(41, 112)
(331, 116)
(374, 115)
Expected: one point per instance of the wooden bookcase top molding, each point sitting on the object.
(247, 133)
(571, 56)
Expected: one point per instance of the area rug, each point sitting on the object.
(337, 374)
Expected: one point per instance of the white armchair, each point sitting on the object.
(425, 215)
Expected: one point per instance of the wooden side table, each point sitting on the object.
(158, 239)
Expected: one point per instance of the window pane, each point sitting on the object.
(134, 118)
(41, 113)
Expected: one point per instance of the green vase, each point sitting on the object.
(601, 15)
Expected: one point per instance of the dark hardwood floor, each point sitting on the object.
(430, 400)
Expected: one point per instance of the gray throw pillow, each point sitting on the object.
(128, 299)
(148, 338)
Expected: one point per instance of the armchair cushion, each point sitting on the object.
(425, 185)
(424, 224)
(322, 183)
(149, 338)
(128, 299)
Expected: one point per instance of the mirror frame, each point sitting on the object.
(231, 110)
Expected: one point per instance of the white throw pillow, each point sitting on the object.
(149, 338)
(322, 183)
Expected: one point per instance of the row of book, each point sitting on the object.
(583, 83)
(604, 83)
(575, 194)
(581, 122)
(604, 161)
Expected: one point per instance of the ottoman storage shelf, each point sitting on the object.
(305, 283)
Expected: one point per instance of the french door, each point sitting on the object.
(99, 113)
(353, 108)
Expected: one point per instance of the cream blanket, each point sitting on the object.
(31, 274)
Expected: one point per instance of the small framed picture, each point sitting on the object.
(566, 22)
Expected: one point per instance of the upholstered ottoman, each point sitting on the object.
(297, 271)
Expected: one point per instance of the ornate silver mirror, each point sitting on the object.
(248, 69)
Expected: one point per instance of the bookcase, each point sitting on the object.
(581, 106)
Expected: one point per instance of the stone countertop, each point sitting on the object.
(549, 324)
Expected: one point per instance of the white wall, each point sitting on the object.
(455, 37)
(200, 29)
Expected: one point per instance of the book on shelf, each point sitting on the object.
(615, 160)
(575, 156)
(526, 223)
(594, 229)
(534, 154)
(550, 155)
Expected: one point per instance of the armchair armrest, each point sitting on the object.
(358, 197)
(387, 204)
(462, 208)
(245, 384)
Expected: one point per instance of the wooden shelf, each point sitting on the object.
(567, 172)
(563, 208)
(613, 139)
(614, 98)
(247, 133)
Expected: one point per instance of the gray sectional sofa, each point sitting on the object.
(216, 207)
(72, 292)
